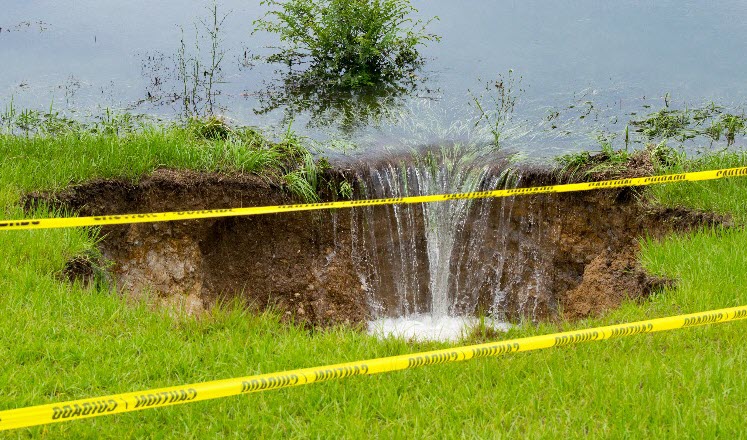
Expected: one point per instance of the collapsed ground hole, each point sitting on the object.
(535, 256)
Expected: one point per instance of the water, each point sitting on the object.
(430, 328)
(424, 264)
(585, 65)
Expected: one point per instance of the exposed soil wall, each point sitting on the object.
(298, 263)
(573, 252)
(587, 244)
(532, 256)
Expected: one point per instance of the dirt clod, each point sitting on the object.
(608, 280)
(79, 268)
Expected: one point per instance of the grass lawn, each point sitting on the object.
(60, 342)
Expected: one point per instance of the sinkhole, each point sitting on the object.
(422, 271)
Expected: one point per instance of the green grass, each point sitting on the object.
(61, 342)
(54, 161)
(725, 196)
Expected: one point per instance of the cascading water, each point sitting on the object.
(444, 221)
(419, 264)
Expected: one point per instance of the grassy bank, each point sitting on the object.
(60, 342)
(54, 160)
(727, 196)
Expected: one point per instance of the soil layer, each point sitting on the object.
(572, 253)
(298, 263)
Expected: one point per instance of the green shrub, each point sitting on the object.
(352, 43)
(212, 128)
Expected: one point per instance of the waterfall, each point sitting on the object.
(444, 222)
(419, 259)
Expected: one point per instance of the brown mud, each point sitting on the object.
(298, 263)
(588, 243)
(571, 252)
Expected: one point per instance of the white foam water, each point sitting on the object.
(426, 327)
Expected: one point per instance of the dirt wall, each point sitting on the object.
(537, 255)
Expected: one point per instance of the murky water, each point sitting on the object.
(584, 65)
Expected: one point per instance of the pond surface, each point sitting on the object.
(578, 67)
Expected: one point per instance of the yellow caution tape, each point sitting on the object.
(214, 213)
(119, 403)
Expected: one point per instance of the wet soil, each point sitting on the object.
(589, 242)
(572, 253)
(585, 245)
(297, 263)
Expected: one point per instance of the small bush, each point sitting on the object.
(212, 128)
(352, 43)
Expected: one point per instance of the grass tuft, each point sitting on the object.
(40, 159)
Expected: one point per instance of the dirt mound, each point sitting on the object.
(608, 280)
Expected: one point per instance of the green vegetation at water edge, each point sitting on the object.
(724, 196)
(48, 152)
(586, 164)
(710, 121)
(60, 341)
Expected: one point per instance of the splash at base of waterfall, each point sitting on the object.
(427, 327)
